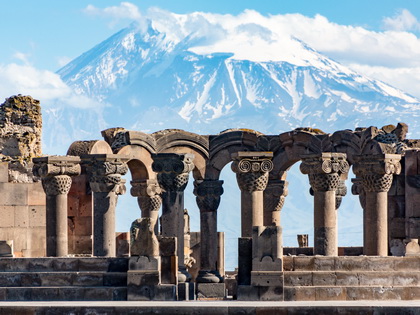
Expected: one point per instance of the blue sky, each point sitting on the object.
(48, 31)
(378, 38)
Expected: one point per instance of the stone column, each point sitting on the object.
(173, 173)
(274, 197)
(208, 194)
(252, 169)
(376, 172)
(324, 172)
(55, 172)
(357, 189)
(104, 171)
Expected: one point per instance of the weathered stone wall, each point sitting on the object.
(22, 199)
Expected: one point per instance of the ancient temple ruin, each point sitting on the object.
(59, 214)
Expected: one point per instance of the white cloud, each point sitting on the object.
(403, 21)
(124, 11)
(41, 84)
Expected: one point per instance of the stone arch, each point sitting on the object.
(224, 144)
(139, 163)
(180, 141)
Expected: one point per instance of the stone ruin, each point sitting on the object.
(59, 214)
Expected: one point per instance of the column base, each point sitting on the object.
(183, 275)
(205, 276)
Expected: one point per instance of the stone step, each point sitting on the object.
(352, 278)
(63, 294)
(329, 293)
(65, 278)
(64, 264)
(351, 263)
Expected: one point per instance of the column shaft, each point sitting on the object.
(208, 243)
(257, 202)
(377, 224)
(325, 224)
(104, 243)
(246, 213)
(56, 225)
(173, 220)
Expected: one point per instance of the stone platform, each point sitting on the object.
(213, 307)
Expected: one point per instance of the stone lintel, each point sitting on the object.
(252, 155)
(104, 157)
(324, 155)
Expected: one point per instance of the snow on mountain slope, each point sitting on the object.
(151, 80)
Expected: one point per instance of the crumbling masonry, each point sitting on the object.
(60, 211)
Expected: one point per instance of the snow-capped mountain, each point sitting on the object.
(140, 73)
(150, 80)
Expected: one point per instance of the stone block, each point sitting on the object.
(117, 264)
(376, 278)
(14, 194)
(7, 216)
(140, 278)
(119, 294)
(36, 195)
(71, 294)
(406, 278)
(98, 294)
(412, 293)
(94, 264)
(4, 172)
(324, 263)
(304, 263)
(211, 291)
(72, 205)
(330, 293)
(65, 264)
(166, 292)
(3, 294)
(19, 294)
(21, 216)
(37, 216)
(6, 248)
(115, 279)
(169, 269)
(380, 263)
(407, 263)
(360, 293)
(88, 279)
(347, 278)
(388, 293)
(144, 263)
(298, 278)
(288, 263)
(82, 225)
(168, 246)
(231, 287)
(186, 291)
(244, 260)
(321, 278)
(85, 208)
(57, 279)
(266, 278)
(35, 237)
(351, 263)
(255, 293)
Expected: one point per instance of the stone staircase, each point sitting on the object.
(351, 278)
(63, 279)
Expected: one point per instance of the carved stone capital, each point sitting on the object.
(208, 194)
(105, 171)
(173, 170)
(252, 169)
(357, 189)
(275, 193)
(56, 165)
(148, 193)
(56, 185)
(324, 170)
(376, 171)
